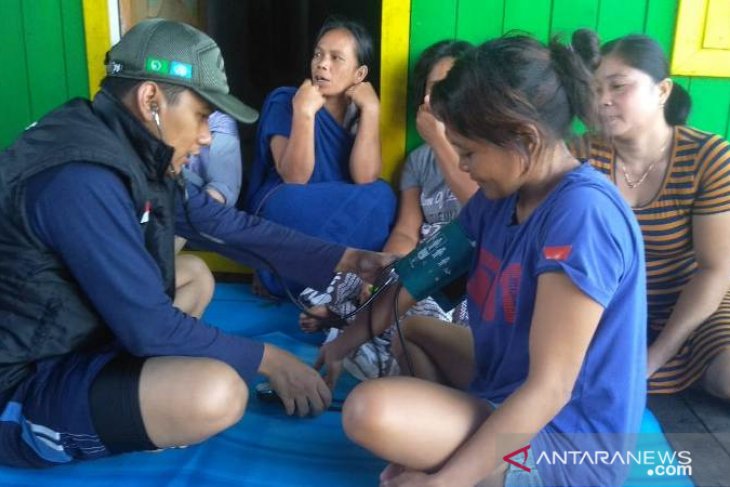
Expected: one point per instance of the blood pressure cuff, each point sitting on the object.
(437, 267)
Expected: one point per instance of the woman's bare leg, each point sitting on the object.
(716, 379)
(394, 418)
(440, 352)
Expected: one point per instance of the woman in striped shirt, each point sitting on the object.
(677, 179)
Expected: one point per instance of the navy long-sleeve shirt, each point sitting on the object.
(84, 213)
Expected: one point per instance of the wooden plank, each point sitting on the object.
(713, 413)
(710, 463)
(686, 432)
(617, 18)
(14, 95)
(77, 79)
(717, 33)
(98, 40)
(571, 15)
(44, 47)
(660, 21)
(710, 100)
(431, 21)
(673, 414)
(478, 21)
(529, 16)
(395, 30)
(685, 81)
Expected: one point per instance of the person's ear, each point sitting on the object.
(530, 139)
(148, 101)
(361, 73)
(665, 90)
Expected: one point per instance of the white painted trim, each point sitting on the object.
(114, 23)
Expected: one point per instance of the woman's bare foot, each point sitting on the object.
(309, 324)
(391, 471)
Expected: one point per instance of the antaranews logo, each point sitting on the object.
(658, 463)
(523, 465)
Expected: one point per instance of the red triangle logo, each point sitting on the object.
(508, 458)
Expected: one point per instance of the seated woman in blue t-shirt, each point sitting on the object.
(318, 157)
(554, 361)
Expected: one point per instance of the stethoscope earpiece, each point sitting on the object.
(154, 109)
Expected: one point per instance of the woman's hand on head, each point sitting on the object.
(431, 129)
(363, 96)
(308, 99)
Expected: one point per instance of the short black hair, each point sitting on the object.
(429, 58)
(363, 40)
(121, 87)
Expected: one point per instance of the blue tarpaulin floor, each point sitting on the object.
(267, 448)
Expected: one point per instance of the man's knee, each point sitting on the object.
(194, 284)
(219, 396)
(187, 400)
(197, 271)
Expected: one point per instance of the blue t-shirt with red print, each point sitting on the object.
(583, 229)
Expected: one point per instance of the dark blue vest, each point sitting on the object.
(43, 313)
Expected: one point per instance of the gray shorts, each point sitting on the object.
(519, 477)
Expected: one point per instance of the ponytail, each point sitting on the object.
(577, 82)
(587, 46)
(677, 106)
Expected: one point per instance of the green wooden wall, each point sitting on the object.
(479, 20)
(43, 59)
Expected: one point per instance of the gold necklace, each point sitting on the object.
(635, 184)
(631, 183)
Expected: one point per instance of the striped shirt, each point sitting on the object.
(697, 182)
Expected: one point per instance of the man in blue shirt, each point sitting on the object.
(95, 356)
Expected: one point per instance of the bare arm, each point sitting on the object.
(703, 293)
(433, 133)
(294, 156)
(216, 195)
(407, 230)
(564, 322)
(359, 331)
(365, 158)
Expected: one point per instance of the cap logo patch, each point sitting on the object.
(115, 67)
(155, 65)
(181, 70)
(168, 68)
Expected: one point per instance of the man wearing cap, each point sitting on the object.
(95, 356)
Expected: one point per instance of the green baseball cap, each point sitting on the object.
(176, 53)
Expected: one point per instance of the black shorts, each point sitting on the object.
(95, 413)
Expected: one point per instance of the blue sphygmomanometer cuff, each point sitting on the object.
(436, 263)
